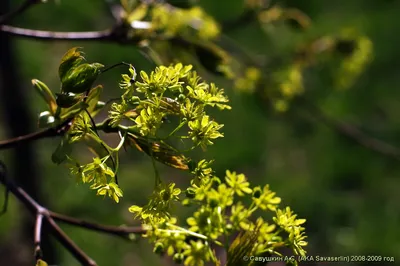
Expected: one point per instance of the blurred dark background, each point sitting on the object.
(348, 193)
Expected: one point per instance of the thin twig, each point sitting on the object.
(46, 133)
(69, 244)
(351, 131)
(35, 208)
(42, 213)
(11, 143)
(53, 132)
(26, 5)
(54, 35)
(38, 236)
(121, 231)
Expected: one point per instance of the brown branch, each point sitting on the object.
(54, 35)
(69, 244)
(121, 231)
(56, 131)
(38, 236)
(35, 208)
(50, 132)
(351, 131)
(49, 217)
(11, 143)
(342, 128)
(26, 5)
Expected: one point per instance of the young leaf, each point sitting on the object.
(46, 94)
(71, 59)
(138, 14)
(93, 100)
(81, 78)
(73, 110)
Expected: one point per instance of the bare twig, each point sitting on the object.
(345, 129)
(37, 236)
(351, 131)
(54, 36)
(49, 217)
(35, 208)
(69, 244)
(26, 5)
(122, 231)
(50, 132)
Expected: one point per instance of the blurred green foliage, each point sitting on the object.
(347, 193)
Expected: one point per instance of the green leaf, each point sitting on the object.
(93, 100)
(71, 59)
(72, 111)
(138, 14)
(64, 149)
(46, 94)
(46, 119)
(135, 208)
(81, 78)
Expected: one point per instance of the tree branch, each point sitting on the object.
(69, 244)
(26, 5)
(350, 131)
(54, 35)
(121, 231)
(49, 217)
(50, 132)
(37, 236)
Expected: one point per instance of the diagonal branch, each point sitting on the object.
(350, 131)
(35, 208)
(121, 231)
(70, 245)
(26, 5)
(50, 218)
(47, 133)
